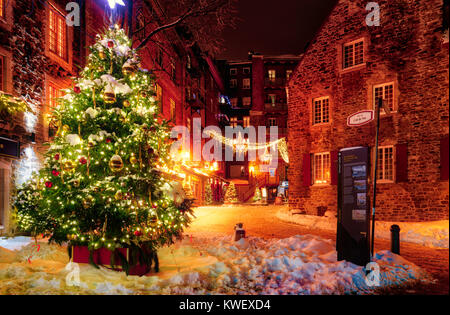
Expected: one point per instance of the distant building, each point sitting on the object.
(256, 90)
(348, 66)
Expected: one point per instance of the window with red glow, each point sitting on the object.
(321, 168)
(57, 34)
(1, 73)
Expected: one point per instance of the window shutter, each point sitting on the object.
(306, 169)
(334, 167)
(444, 158)
(401, 158)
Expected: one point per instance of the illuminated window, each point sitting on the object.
(234, 102)
(172, 110)
(386, 92)
(353, 54)
(2, 62)
(272, 75)
(288, 74)
(2, 9)
(233, 83)
(246, 84)
(57, 34)
(159, 95)
(272, 99)
(246, 101)
(53, 93)
(321, 168)
(233, 122)
(385, 163)
(321, 110)
(246, 121)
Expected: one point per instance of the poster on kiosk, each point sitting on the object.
(352, 242)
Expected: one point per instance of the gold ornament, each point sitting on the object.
(102, 54)
(118, 196)
(129, 68)
(133, 159)
(88, 202)
(116, 164)
(108, 95)
(126, 103)
(165, 205)
(69, 167)
(76, 183)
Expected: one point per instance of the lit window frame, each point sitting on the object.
(323, 113)
(51, 50)
(384, 174)
(233, 83)
(272, 75)
(383, 86)
(321, 173)
(353, 44)
(246, 84)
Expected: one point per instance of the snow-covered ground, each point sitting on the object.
(303, 264)
(431, 234)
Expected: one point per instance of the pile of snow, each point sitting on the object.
(431, 234)
(15, 243)
(303, 264)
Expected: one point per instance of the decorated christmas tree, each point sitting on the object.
(231, 194)
(257, 197)
(103, 183)
(208, 194)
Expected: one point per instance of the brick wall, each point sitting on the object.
(405, 49)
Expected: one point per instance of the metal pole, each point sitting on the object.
(379, 104)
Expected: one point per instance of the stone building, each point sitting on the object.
(349, 65)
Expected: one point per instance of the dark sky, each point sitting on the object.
(273, 27)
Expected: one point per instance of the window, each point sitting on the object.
(172, 110)
(57, 29)
(385, 163)
(288, 74)
(233, 83)
(233, 122)
(386, 92)
(246, 101)
(353, 54)
(321, 168)
(246, 70)
(321, 110)
(234, 102)
(2, 9)
(173, 71)
(159, 95)
(272, 122)
(273, 99)
(246, 84)
(272, 75)
(233, 71)
(53, 93)
(188, 62)
(2, 71)
(246, 121)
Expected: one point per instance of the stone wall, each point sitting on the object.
(407, 49)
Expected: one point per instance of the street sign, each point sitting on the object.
(360, 118)
(352, 242)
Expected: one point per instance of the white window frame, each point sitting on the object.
(322, 180)
(246, 84)
(374, 100)
(353, 43)
(274, 77)
(382, 166)
(321, 122)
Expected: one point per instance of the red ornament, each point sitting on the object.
(108, 140)
(137, 233)
(154, 206)
(57, 156)
(77, 89)
(83, 160)
(48, 184)
(55, 173)
(110, 44)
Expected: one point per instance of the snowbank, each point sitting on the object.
(303, 264)
(431, 234)
(14, 243)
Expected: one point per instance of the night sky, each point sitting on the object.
(274, 27)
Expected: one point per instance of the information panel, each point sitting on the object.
(352, 242)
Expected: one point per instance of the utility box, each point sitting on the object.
(352, 241)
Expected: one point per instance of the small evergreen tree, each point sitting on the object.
(257, 197)
(208, 195)
(231, 194)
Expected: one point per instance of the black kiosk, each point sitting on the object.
(352, 242)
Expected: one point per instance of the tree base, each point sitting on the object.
(118, 260)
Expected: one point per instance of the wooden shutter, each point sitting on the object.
(334, 167)
(444, 158)
(401, 160)
(306, 169)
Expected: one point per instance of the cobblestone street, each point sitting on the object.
(261, 221)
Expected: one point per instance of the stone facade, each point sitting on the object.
(407, 51)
